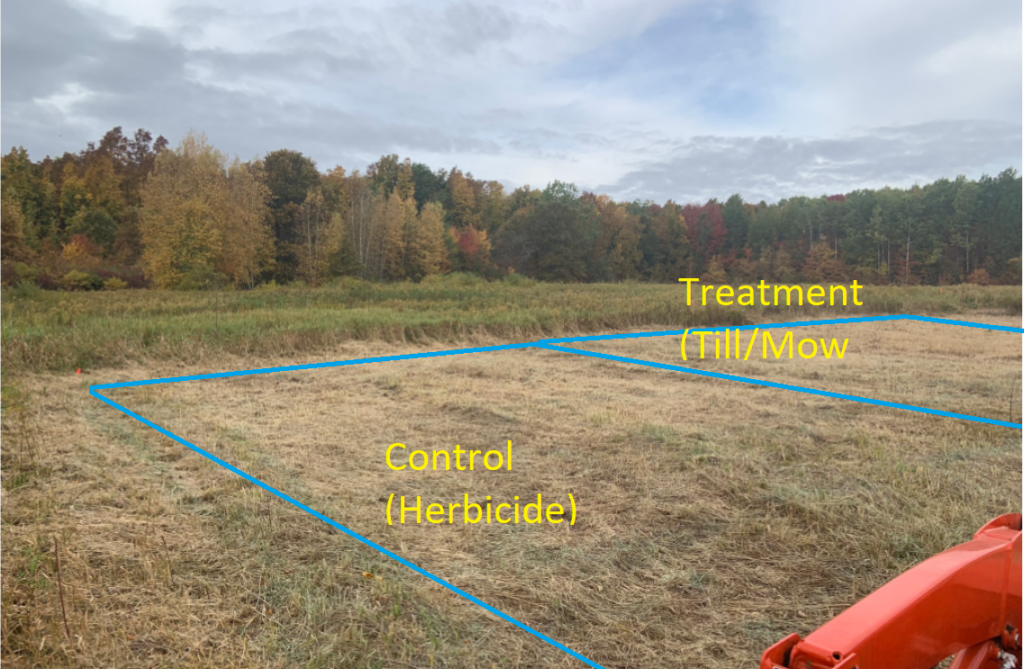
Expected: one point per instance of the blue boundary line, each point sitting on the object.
(313, 365)
(783, 386)
(316, 514)
(792, 324)
(541, 344)
(552, 345)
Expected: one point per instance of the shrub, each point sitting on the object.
(203, 278)
(26, 290)
(132, 276)
(113, 283)
(8, 277)
(518, 280)
(715, 273)
(1013, 275)
(979, 277)
(351, 283)
(81, 253)
(11, 274)
(79, 280)
(464, 279)
(27, 272)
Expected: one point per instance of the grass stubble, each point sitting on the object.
(714, 517)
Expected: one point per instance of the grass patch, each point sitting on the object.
(715, 517)
(62, 331)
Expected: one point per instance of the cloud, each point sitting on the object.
(772, 167)
(893, 63)
(667, 99)
(90, 80)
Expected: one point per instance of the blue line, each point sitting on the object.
(791, 324)
(313, 365)
(563, 340)
(783, 386)
(667, 333)
(547, 344)
(966, 324)
(299, 505)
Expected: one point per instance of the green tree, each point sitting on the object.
(554, 239)
(428, 185)
(97, 224)
(737, 222)
(12, 230)
(289, 176)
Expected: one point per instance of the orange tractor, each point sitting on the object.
(963, 603)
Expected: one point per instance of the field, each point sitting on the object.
(47, 331)
(714, 517)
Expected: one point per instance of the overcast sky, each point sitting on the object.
(681, 100)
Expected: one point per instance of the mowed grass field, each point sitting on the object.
(714, 517)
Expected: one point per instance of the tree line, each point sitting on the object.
(135, 212)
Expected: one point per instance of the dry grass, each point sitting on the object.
(951, 368)
(714, 517)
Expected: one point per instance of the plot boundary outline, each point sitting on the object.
(551, 344)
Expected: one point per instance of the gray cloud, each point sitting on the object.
(147, 80)
(521, 93)
(43, 43)
(470, 28)
(768, 168)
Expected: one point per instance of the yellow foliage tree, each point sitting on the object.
(199, 217)
(103, 184)
(248, 244)
(75, 199)
(398, 217)
(619, 239)
(425, 249)
(625, 258)
(405, 186)
(715, 274)
(12, 229)
(320, 237)
(463, 212)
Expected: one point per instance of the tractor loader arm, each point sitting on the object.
(965, 601)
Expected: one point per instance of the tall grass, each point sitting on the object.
(64, 331)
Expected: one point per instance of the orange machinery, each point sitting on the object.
(964, 602)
